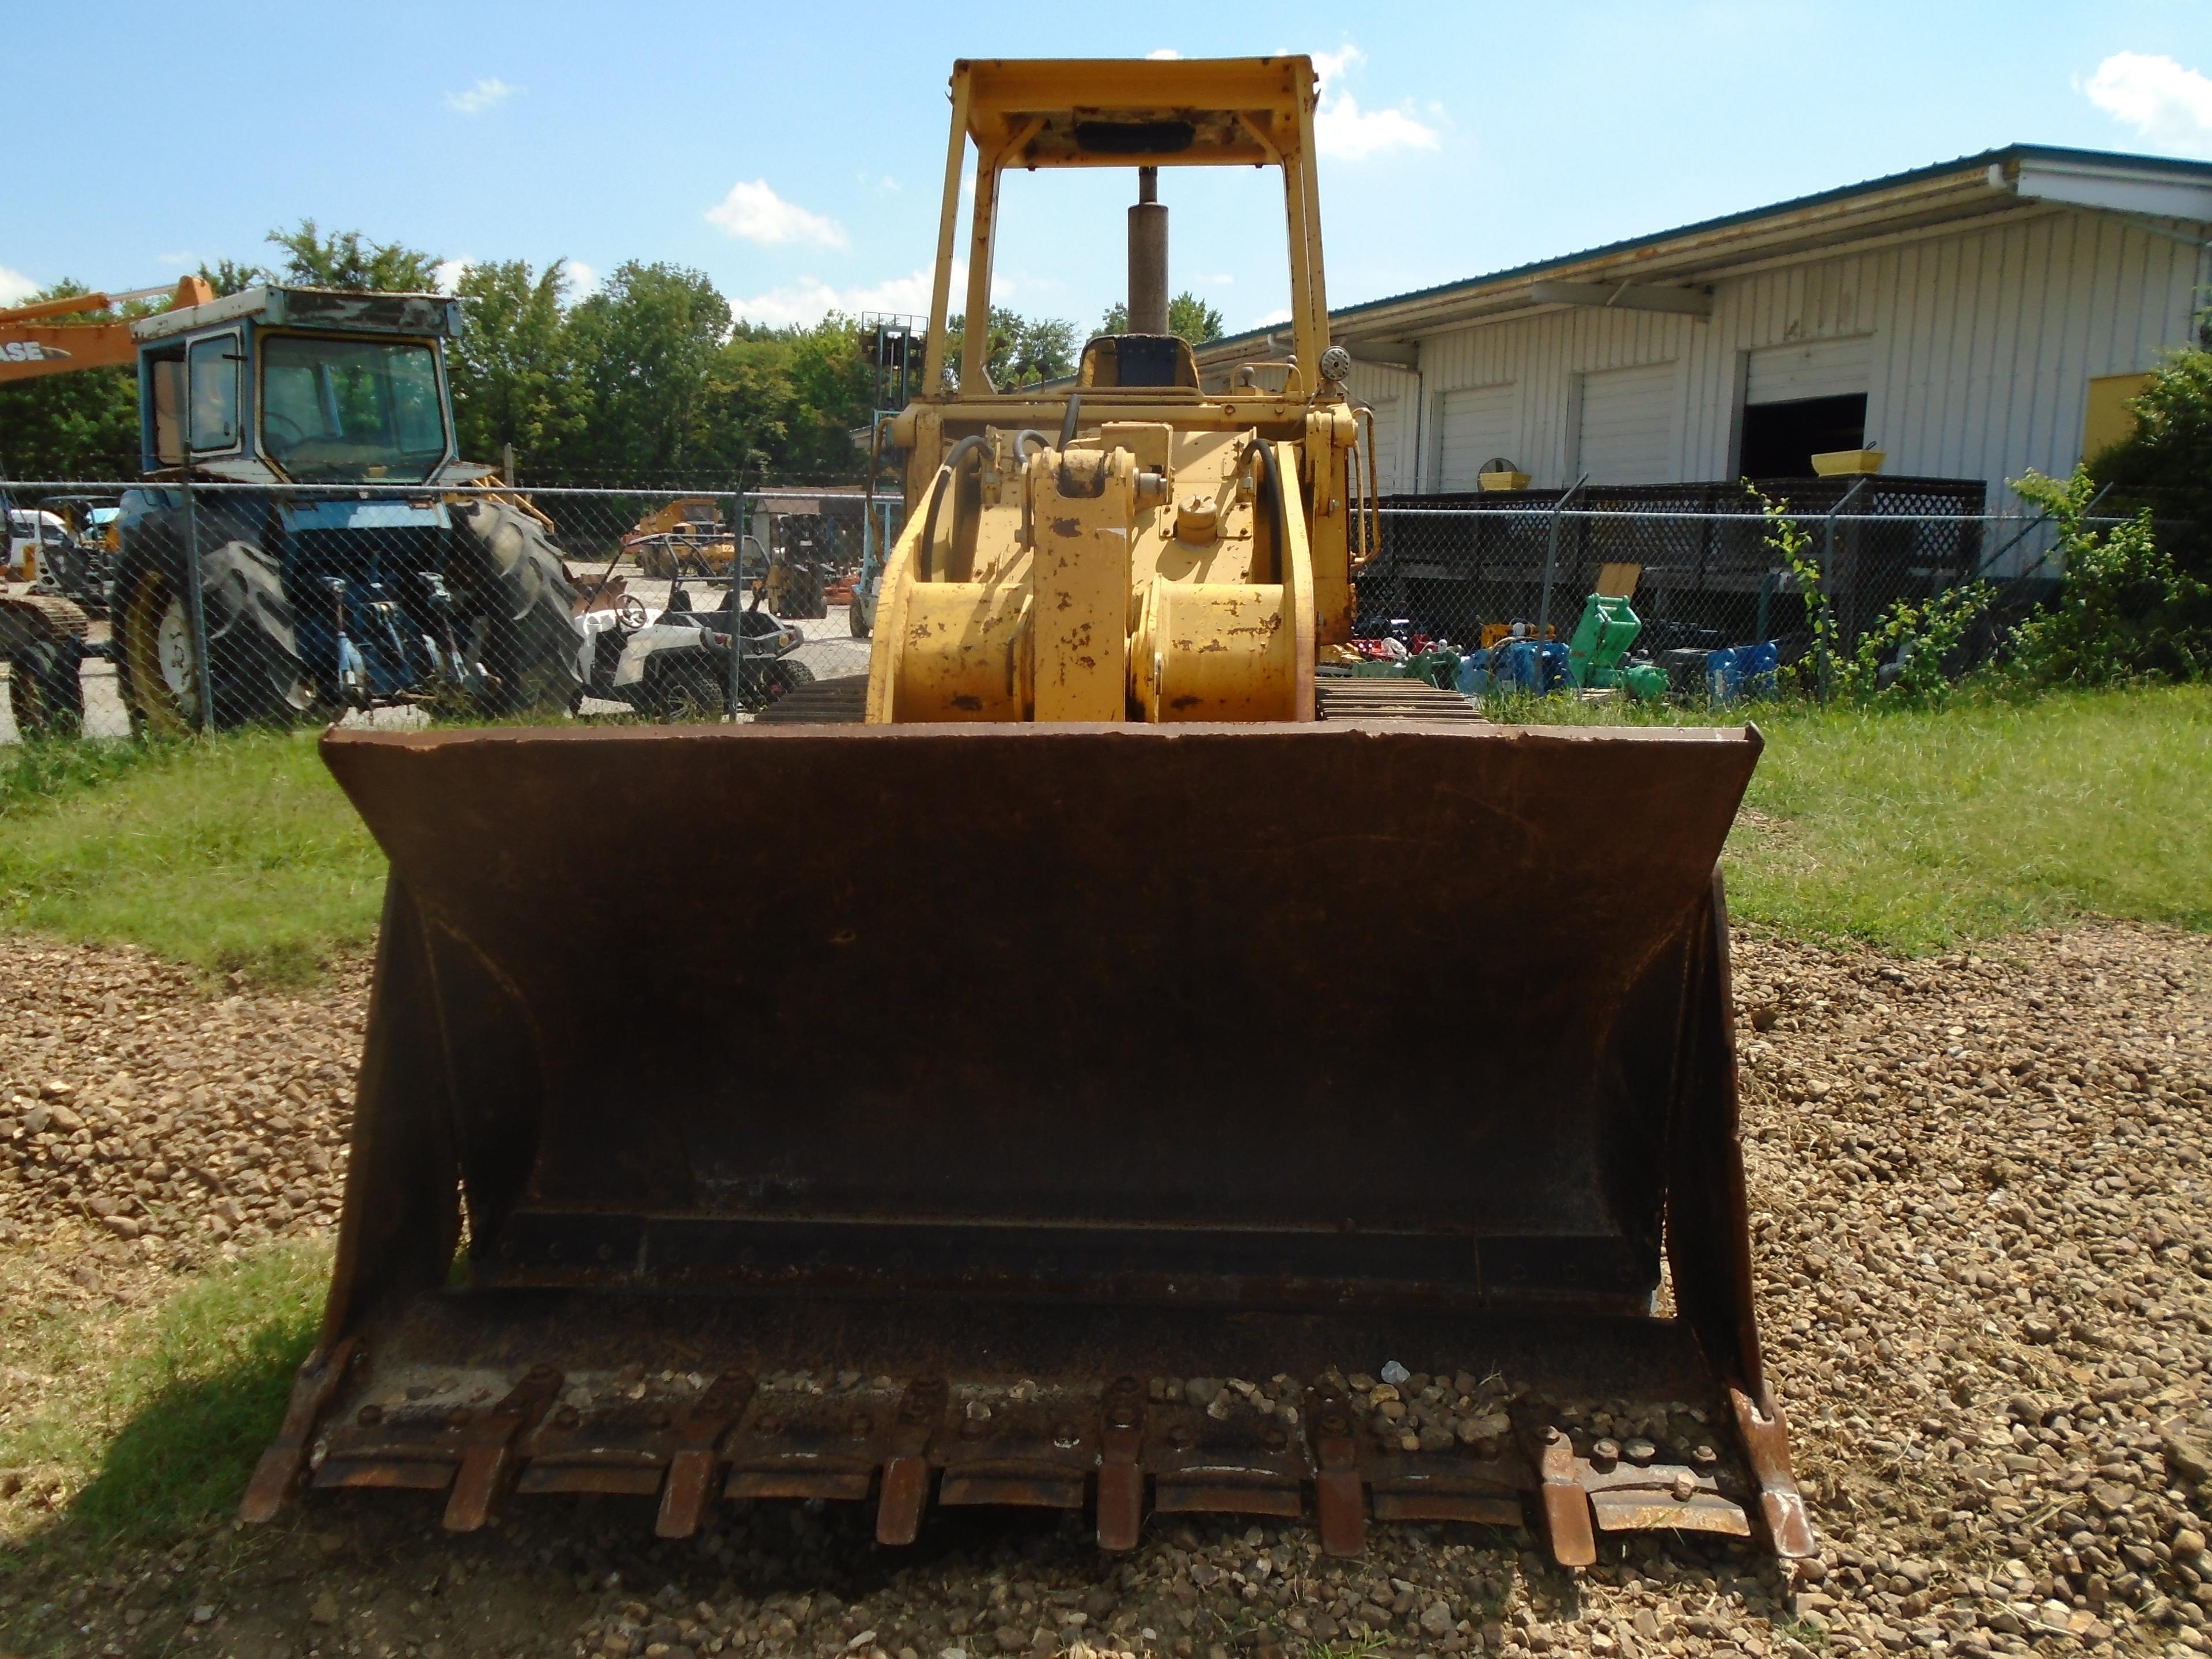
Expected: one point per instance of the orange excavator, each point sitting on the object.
(33, 343)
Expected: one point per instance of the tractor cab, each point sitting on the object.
(278, 384)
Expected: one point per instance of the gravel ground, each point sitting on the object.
(1979, 1186)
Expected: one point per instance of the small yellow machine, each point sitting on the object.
(686, 536)
(1119, 1188)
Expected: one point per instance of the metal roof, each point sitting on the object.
(2016, 178)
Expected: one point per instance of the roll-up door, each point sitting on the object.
(1628, 424)
(1819, 369)
(1477, 427)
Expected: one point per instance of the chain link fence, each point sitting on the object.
(174, 607)
(1702, 562)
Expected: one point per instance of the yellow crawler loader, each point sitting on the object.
(1128, 1189)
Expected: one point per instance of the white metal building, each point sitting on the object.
(1970, 320)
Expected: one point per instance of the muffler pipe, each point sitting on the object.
(1148, 257)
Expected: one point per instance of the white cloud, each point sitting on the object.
(176, 258)
(810, 298)
(583, 279)
(2168, 106)
(487, 94)
(449, 272)
(15, 287)
(1345, 133)
(757, 213)
(1273, 318)
(1163, 54)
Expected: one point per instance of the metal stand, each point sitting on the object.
(1551, 571)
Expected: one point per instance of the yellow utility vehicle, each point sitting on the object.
(1119, 1185)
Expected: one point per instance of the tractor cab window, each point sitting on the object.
(214, 381)
(348, 410)
(165, 406)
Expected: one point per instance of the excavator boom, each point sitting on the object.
(30, 347)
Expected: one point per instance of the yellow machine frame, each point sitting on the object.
(1143, 568)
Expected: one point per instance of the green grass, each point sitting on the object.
(1913, 829)
(1917, 830)
(174, 1404)
(236, 854)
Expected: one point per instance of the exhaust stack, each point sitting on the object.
(1148, 257)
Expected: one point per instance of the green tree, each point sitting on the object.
(228, 277)
(2169, 454)
(75, 424)
(645, 348)
(347, 259)
(2125, 612)
(1023, 350)
(509, 368)
(1187, 315)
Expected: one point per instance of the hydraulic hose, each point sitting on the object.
(973, 444)
(1023, 438)
(1277, 513)
(1067, 421)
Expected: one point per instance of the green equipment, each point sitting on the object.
(1601, 642)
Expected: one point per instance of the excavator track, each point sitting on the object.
(39, 619)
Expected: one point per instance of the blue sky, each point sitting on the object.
(794, 152)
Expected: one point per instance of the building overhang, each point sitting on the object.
(1675, 271)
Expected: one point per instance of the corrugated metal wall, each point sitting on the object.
(1980, 345)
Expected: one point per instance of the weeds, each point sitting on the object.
(1904, 657)
(37, 772)
(237, 854)
(2125, 613)
(165, 1431)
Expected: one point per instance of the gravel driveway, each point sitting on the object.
(1983, 1225)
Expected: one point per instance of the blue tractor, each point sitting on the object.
(400, 587)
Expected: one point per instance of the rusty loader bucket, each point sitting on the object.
(1273, 1120)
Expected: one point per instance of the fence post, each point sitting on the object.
(196, 599)
(1827, 641)
(737, 605)
(1551, 570)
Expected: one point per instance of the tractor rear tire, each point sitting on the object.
(252, 649)
(523, 605)
(44, 692)
(857, 616)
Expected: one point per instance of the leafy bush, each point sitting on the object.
(2171, 452)
(2125, 612)
(1916, 639)
(1905, 656)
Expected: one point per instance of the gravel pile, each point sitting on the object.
(1983, 1226)
(134, 1103)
